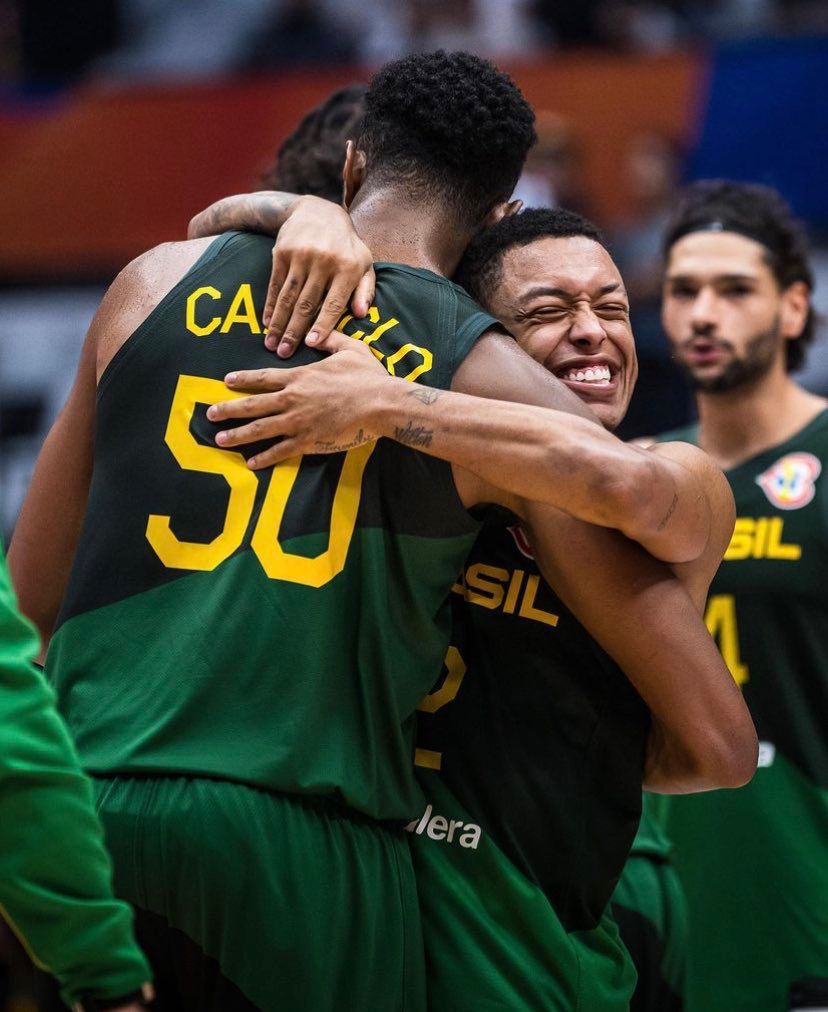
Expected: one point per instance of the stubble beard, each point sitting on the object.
(741, 371)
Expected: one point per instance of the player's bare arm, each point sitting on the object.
(530, 438)
(47, 531)
(702, 736)
(319, 262)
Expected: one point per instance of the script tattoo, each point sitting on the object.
(413, 435)
(323, 446)
(669, 513)
(425, 395)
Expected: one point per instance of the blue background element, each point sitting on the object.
(766, 120)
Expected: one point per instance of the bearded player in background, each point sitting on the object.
(754, 862)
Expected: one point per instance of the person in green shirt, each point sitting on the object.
(55, 873)
(737, 311)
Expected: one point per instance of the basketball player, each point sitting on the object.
(754, 862)
(538, 737)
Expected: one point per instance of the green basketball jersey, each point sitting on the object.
(276, 628)
(531, 755)
(754, 862)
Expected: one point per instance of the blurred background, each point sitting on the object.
(119, 119)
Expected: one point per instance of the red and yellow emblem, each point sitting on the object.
(790, 483)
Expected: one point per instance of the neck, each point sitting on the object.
(400, 231)
(739, 424)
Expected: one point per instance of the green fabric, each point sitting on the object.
(754, 862)
(55, 875)
(651, 912)
(303, 908)
(651, 840)
(493, 940)
(235, 654)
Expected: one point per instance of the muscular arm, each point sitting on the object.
(649, 621)
(512, 431)
(559, 457)
(47, 531)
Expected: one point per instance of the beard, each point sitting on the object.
(755, 362)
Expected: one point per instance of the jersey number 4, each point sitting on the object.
(243, 484)
(720, 619)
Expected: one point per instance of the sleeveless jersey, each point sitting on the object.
(276, 629)
(754, 862)
(531, 754)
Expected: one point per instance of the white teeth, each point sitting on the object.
(599, 374)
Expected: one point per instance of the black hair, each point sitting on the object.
(449, 127)
(761, 214)
(481, 268)
(310, 160)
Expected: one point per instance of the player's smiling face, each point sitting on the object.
(565, 303)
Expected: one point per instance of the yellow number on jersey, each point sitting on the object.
(315, 572)
(720, 619)
(278, 564)
(434, 701)
(192, 456)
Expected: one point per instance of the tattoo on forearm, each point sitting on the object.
(669, 512)
(425, 395)
(328, 447)
(413, 435)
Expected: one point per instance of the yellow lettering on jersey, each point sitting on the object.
(427, 759)
(720, 619)
(760, 538)
(488, 593)
(527, 605)
(381, 327)
(776, 550)
(426, 361)
(242, 311)
(512, 593)
(192, 325)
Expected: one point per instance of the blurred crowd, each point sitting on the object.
(43, 44)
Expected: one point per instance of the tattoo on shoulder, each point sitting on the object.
(425, 395)
(324, 446)
(413, 435)
(669, 513)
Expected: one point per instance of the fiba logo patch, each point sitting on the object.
(521, 541)
(790, 483)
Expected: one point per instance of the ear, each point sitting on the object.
(353, 173)
(796, 301)
(503, 210)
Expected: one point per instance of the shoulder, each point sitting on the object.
(137, 291)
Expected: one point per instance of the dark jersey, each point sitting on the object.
(531, 752)
(274, 628)
(754, 862)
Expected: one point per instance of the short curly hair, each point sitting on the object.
(310, 160)
(449, 127)
(481, 269)
(760, 213)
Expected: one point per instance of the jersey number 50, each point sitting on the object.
(243, 483)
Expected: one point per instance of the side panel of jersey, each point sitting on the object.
(754, 862)
(534, 740)
(278, 628)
